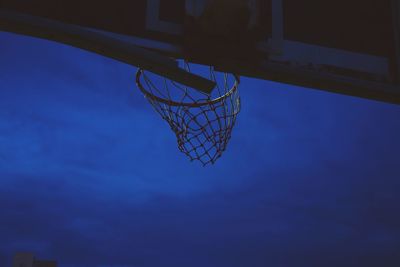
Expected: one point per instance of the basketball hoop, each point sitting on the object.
(202, 123)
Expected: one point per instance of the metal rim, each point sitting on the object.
(169, 102)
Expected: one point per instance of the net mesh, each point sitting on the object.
(202, 123)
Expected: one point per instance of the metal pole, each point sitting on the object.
(396, 32)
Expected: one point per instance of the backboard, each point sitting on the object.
(346, 46)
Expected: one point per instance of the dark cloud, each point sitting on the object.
(231, 228)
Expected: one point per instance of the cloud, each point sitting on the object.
(90, 176)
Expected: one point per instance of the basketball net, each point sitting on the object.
(202, 123)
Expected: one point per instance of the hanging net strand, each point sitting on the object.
(202, 123)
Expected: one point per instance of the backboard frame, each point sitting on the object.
(102, 44)
(288, 61)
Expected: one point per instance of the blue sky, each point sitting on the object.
(91, 176)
